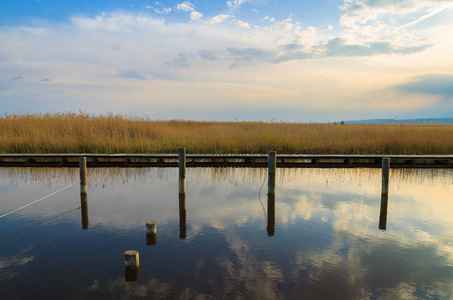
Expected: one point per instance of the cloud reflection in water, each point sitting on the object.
(325, 242)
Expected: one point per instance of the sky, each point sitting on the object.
(252, 60)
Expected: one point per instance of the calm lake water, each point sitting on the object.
(318, 239)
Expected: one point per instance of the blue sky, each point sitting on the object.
(24, 11)
(246, 59)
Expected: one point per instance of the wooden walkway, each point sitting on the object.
(225, 160)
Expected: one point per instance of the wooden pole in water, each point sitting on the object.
(182, 170)
(385, 175)
(131, 259)
(83, 174)
(272, 171)
(132, 265)
(151, 233)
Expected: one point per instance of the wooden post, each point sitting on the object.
(84, 206)
(385, 176)
(272, 170)
(83, 174)
(182, 217)
(182, 171)
(270, 215)
(151, 233)
(63, 161)
(132, 265)
(131, 259)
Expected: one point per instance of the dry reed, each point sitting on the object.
(83, 133)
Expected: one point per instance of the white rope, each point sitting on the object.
(259, 193)
(265, 176)
(39, 199)
(42, 222)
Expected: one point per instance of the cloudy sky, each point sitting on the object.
(294, 60)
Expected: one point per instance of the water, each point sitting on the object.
(319, 238)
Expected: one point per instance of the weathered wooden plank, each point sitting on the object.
(286, 160)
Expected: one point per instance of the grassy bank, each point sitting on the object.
(82, 133)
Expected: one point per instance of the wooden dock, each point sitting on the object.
(225, 160)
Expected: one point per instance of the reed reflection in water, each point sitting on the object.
(318, 237)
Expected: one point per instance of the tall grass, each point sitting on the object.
(83, 133)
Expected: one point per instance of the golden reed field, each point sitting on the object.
(84, 133)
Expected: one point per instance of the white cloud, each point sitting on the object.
(195, 15)
(284, 26)
(368, 22)
(189, 7)
(281, 41)
(311, 30)
(242, 24)
(236, 3)
(112, 22)
(432, 13)
(161, 11)
(219, 18)
(362, 11)
(185, 6)
(202, 55)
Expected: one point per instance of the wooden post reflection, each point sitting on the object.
(83, 191)
(270, 214)
(182, 216)
(84, 210)
(384, 193)
(383, 213)
(131, 274)
(151, 233)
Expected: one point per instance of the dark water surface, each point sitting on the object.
(318, 239)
